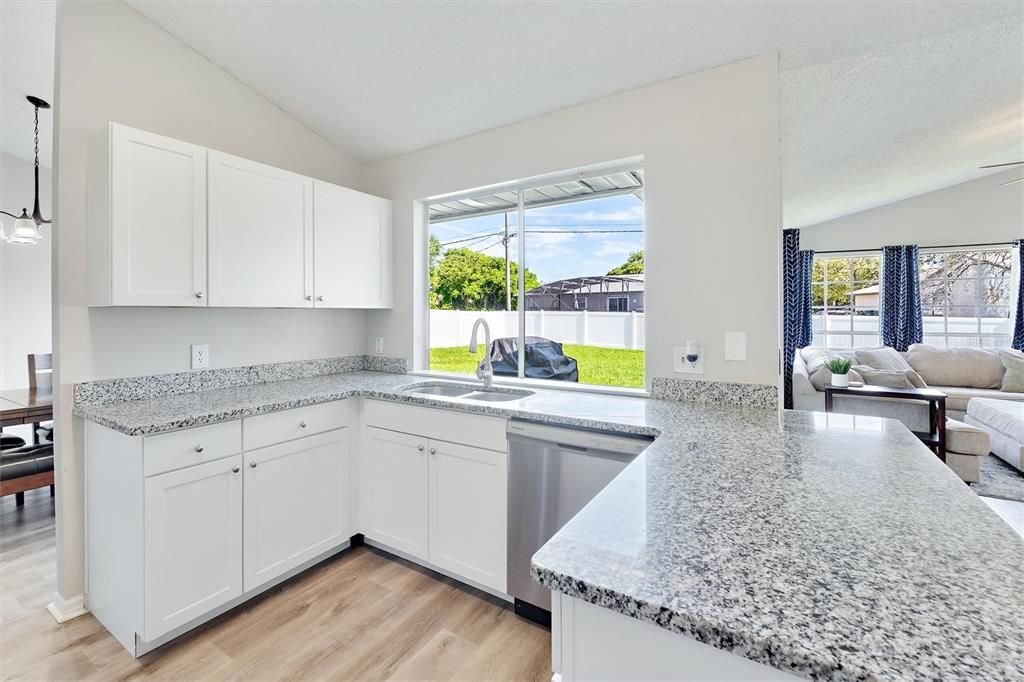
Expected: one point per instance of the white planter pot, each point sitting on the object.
(841, 380)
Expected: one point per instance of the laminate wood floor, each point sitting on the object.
(362, 615)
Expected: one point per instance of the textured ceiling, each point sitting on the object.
(26, 68)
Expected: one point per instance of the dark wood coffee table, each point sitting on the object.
(935, 438)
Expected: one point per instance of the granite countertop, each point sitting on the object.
(830, 546)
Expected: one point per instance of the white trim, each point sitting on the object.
(64, 610)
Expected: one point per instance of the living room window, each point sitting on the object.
(965, 297)
(844, 300)
(555, 265)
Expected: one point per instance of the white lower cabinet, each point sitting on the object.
(193, 543)
(396, 490)
(468, 510)
(296, 504)
(441, 502)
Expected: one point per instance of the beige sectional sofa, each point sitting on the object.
(960, 373)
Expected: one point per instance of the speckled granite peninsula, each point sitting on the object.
(828, 547)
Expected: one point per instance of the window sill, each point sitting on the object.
(540, 383)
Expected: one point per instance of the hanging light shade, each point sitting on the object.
(26, 227)
(25, 231)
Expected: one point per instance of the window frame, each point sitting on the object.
(978, 304)
(608, 304)
(852, 333)
(421, 327)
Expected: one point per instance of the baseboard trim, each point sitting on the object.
(64, 610)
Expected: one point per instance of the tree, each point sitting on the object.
(464, 279)
(634, 265)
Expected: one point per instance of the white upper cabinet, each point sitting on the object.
(352, 248)
(147, 223)
(260, 235)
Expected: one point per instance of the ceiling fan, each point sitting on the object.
(1000, 165)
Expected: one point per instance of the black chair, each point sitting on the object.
(25, 468)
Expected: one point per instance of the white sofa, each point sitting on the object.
(960, 373)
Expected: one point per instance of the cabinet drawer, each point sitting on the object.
(439, 423)
(277, 427)
(178, 449)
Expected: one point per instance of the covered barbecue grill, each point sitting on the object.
(544, 359)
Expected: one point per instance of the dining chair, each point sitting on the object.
(40, 377)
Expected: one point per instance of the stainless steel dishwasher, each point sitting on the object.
(552, 473)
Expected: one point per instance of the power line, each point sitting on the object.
(479, 236)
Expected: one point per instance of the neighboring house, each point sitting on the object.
(603, 293)
(866, 297)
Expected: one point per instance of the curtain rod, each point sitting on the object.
(943, 246)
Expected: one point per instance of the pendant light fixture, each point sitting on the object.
(26, 227)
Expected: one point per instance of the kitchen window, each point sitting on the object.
(563, 295)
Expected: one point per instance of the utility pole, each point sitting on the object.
(508, 269)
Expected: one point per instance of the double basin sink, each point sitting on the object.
(474, 392)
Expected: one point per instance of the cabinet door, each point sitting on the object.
(296, 503)
(352, 248)
(193, 543)
(468, 492)
(395, 482)
(261, 235)
(158, 220)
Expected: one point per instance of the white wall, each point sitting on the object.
(975, 212)
(25, 308)
(114, 65)
(710, 143)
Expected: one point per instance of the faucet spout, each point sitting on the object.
(486, 372)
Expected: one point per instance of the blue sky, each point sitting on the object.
(564, 251)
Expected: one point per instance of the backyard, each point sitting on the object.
(597, 365)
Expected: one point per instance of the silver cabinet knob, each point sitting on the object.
(420, 448)
(199, 448)
(236, 469)
(433, 451)
(320, 298)
(302, 425)
(253, 464)
(199, 294)
(309, 298)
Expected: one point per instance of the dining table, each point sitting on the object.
(25, 406)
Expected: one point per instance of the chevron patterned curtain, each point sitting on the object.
(796, 306)
(1018, 325)
(900, 312)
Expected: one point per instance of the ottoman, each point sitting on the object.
(1004, 422)
(965, 447)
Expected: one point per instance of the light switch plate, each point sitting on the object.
(736, 346)
(684, 366)
(200, 356)
(378, 346)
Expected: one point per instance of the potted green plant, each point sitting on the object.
(840, 368)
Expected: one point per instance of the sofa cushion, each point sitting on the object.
(966, 439)
(892, 378)
(1013, 366)
(881, 358)
(967, 367)
(958, 397)
(1003, 416)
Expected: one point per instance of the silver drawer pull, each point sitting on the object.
(420, 448)
(302, 425)
(199, 448)
(236, 469)
(199, 294)
(433, 451)
(253, 464)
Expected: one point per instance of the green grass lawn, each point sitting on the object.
(601, 366)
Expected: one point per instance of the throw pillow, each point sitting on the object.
(890, 378)
(822, 377)
(960, 367)
(882, 358)
(817, 372)
(1013, 379)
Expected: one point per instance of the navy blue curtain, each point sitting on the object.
(796, 306)
(900, 312)
(1018, 326)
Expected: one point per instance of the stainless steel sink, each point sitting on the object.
(467, 392)
(493, 396)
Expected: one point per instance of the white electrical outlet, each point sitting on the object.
(200, 356)
(682, 362)
(378, 346)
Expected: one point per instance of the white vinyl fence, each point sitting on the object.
(449, 328)
(962, 331)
